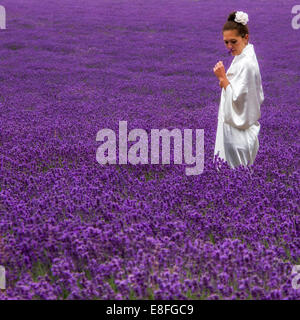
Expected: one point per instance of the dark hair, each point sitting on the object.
(242, 30)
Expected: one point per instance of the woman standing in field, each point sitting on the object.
(241, 97)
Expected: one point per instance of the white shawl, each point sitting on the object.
(244, 95)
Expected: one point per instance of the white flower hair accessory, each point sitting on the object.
(241, 17)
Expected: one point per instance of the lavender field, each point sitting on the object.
(73, 229)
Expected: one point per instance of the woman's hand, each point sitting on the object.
(219, 70)
(220, 73)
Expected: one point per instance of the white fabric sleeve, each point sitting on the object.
(242, 102)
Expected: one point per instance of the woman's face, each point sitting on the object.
(234, 42)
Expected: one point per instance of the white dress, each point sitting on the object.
(239, 111)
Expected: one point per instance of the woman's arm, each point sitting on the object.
(220, 73)
(224, 82)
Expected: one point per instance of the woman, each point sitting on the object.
(241, 97)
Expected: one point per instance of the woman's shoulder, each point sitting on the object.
(248, 65)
